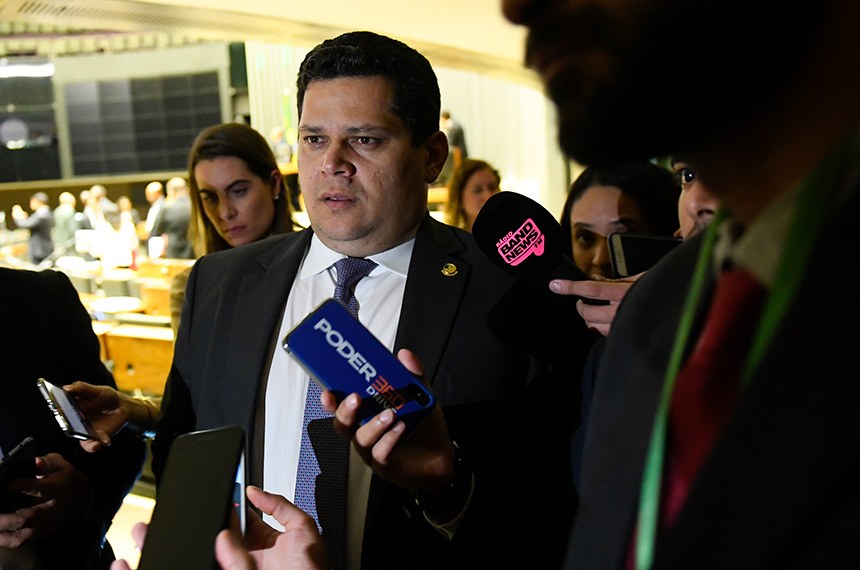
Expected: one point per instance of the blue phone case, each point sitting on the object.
(345, 358)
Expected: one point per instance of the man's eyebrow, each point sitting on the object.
(362, 129)
(354, 130)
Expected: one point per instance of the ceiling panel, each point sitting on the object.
(470, 35)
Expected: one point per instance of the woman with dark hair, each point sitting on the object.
(638, 197)
(471, 185)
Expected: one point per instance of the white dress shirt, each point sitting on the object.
(382, 292)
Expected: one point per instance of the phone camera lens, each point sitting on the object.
(419, 395)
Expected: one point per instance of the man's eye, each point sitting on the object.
(687, 175)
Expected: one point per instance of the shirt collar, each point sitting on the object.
(319, 258)
(758, 248)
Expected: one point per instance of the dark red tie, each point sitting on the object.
(707, 385)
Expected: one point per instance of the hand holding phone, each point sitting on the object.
(345, 358)
(66, 411)
(19, 462)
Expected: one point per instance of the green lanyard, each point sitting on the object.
(815, 194)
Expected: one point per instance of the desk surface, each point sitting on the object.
(142, 332)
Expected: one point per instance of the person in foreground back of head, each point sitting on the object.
(75, 495)
(369, 146)
(772, 132)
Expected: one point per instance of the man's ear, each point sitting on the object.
(436, 147)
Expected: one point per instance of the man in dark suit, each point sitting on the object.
(47, 334)
(369, 145)
(762, 437)
(173, 219)
(40, 224)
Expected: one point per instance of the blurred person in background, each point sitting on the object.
(65, 223)
(471, 185)
(173, 221)
(40, 224)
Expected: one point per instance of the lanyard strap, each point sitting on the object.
(815, 195)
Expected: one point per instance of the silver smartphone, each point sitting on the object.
(66, 411)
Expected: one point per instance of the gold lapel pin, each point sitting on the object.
(449, 270)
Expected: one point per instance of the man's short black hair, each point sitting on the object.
(365, 54)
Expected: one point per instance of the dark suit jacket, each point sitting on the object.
(233, 307)
(40, 223)
(47, 333)
(173, 220)
(778, 490)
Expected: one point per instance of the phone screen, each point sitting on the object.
(66, 411)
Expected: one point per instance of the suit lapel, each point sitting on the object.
(256, 316)
(432, 295)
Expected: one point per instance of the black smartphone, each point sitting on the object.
(19, 462)
(344, 357)
(66, 411)
(201, 491)
(631, 254)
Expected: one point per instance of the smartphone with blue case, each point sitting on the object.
(344, 357)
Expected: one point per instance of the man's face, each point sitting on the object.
(364, 184)
(644, 78)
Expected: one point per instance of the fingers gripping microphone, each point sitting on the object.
(523, 238)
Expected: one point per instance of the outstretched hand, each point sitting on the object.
(596, 317)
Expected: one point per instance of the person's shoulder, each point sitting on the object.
(252, 252)
(34, 280)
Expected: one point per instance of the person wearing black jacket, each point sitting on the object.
(47, 334)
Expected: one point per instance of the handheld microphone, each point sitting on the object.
(523, 238)
(520, 236)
